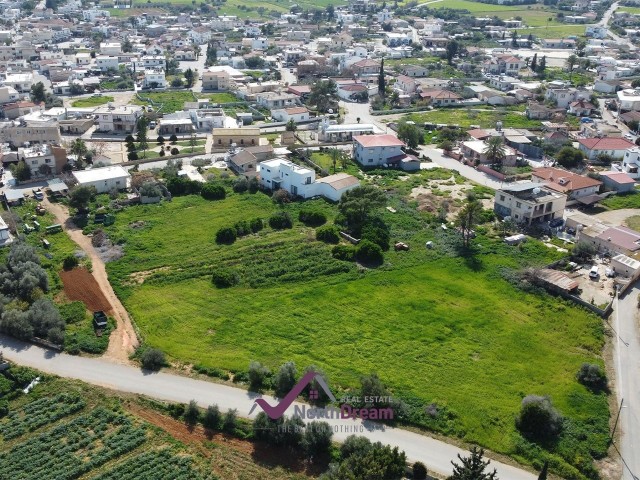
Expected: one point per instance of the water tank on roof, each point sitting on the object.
(536, 191)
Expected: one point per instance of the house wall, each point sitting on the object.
(105, 186)
(373, 156)
(521, 211)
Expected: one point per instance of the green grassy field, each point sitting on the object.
(171, 101)
(466, 117)
(92, 101)
(223, 97)
(435, 327)
(633, 10)
(628, 200)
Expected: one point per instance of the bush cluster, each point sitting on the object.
(225, 278)
(280, 221)
(369, 252)
(328, 234)
(312, 218)
(344, 252)
(213, 191)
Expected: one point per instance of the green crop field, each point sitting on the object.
(67, 429)
(224, 97)
(92, 101)
(437, 328)
(633, 10)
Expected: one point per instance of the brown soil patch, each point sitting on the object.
(80, 285)
(232, 457)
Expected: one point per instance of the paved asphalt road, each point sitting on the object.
(627, 365)
(434, 453)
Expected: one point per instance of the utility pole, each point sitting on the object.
(615, 425)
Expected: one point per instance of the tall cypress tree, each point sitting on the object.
(534, 62)
(381, 81)
(544, 471)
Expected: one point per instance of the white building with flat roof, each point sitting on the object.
(104, 179)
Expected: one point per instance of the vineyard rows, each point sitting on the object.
(39, 413)
(72, 449)
(152, 466)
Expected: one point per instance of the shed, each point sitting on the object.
(625, 266)
(557, 280)
(618, 181)
(13, 197)
(57, 187)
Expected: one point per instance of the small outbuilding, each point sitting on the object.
(618, 181)
(104, 179)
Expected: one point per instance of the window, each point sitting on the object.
(219, 141)
(518, 204)
(502, 198)
(47, 160)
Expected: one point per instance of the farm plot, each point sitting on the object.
(40, 413)
(71, 449)
(80, 285)
(151, 466)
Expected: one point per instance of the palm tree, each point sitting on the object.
(495, 152)
(572, 60)
(467, 218)
(78, 148)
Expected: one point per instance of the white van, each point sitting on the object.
(593, 273)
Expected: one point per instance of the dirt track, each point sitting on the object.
(80, 285)
(123, 340)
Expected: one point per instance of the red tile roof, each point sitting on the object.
(618, 177)
(378, 141)
(564, 181)
(607, 143)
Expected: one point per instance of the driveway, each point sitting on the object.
(617, 217)
(470, 173)
(434, 453)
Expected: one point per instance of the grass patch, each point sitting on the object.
(466, 117)
(622, 200)
(171, 101)
(437, 328)
(223, 97)
(633, 222)
(92, 101)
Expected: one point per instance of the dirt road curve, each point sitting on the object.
(123, 340)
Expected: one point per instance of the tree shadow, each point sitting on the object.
(270, 456)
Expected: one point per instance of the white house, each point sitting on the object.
(629, 99)
(5, 234)
(19, 81)
(110, 48)
(297, 114)
(376, 150)
(118, 119)
(154, 78)
(613, 146)
(631, 163)
(8, 95)
(106, 62)
(104, 179)
(280, 173)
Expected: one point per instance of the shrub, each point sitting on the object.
(192, 413)
(73, 312)
(212, 418)
(419, 471)
(183, 186)
(241, 185)
(150, 189)
(285, 379)
(175, 151)
(230, 420)
(328, 234)
(344, 252)
(317, 438)
(173, 139)
(152, 359)
(369, 252)
(225, 278)
(257, 376)
(377, 232)
(162, 152)
(256, 225)
(160, 139)
(226, 235)
(132, 156)
(281, 196)
(242, 228)
(312, 218)
(538, 419)
(213, 191)
(70, 262)
(280, 221)
(592, 377)
(254, 185)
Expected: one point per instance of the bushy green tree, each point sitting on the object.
(285, 379)
(213, 191)
(357, 205)
(212, 418)
(369, 252)
(316, 440)
(152, 359)
(257, 376)
(81, 195)
(192, 413)
(280, 221)
(472, 467)
(538, 420)
(593, 377)
(328, 234)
